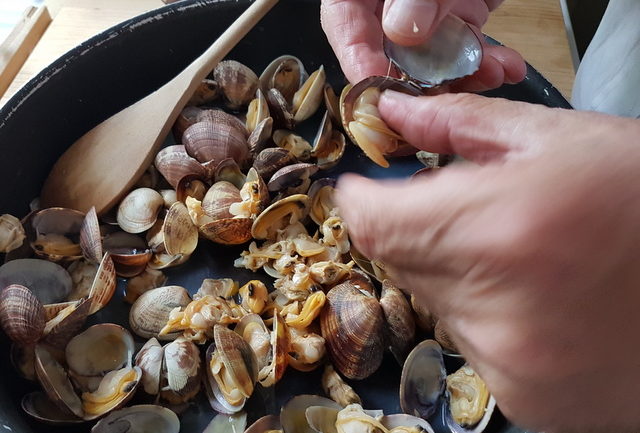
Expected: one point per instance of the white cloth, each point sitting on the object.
(608, 79)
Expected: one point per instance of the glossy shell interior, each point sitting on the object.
(130, 60)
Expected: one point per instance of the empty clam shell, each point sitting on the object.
(129, 253)
(423, 380)
(309, 97)
(39, 406)
(67, 322)
(139, 418)
(56, 383)
(260, 136)
(453, 51)
(265, 424)
(11, 233)
(90, 237)
(293, 414)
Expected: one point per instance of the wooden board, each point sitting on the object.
(534, 28)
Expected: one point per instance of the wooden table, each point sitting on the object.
(534, 28)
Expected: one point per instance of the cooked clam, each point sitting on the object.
(309, 97)
(352, 323)
(321, 196)
(149, 359)
(174, 163)
(211, 142)
(150, 313)
(399, 317)
(280, 215)
(90, 237)
(139, 419)
(293, 179)
(294, 143)
(66, 322)
(207, 92)
(306, 349)
(253, 296)
(271, 160)
(40, 407)
(286, 74)
(336, 388)
(266, 424)
(279, 109)
(115, 389)
(260, 136)
(257, 112)
(57, 234)
(56, 383)
(468, 397)
(423, 380)
(222, 287)
(223, 423)
(293, 417)
(237, 82)
(228, 170)
(129, 252)
(254, 195)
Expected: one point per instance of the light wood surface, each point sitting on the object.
(533, 27)
(15, 50)
(78, 180)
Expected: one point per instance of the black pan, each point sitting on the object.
(125, 63)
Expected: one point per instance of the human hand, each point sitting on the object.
(354, 29)
(530, 256)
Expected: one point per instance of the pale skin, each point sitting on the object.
(529, 252)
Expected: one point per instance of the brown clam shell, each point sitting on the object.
(286, 74)
(190, 186)
(353, 325)
(271, 160)
(260, 136)
(104, 285)
(22, 316)
(55, 382)
(129, 253)
(62, 329)
(237, 82)
(206, 92)
(279, 214)
(217, 115)
(291, 176)
(174, 163)
(57, 221)
(399, 317)
(90, 237)
(214, 141)
(237, 356)
(279, 109)
(228, 231)
(180, 235)
(229, 170)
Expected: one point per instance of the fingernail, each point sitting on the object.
(411, 19)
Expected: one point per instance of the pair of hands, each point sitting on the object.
(529, 253)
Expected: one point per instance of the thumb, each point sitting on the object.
(475, 127)
(411, 22)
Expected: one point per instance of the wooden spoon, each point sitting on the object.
(103, 165)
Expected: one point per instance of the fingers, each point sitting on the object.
(355, 33)
(499, 65)
(475, 127)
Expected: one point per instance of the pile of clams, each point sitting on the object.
(239, 174)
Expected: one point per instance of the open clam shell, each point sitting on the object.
(174, 163)
(180, 235)
(104, 284)
(452, 52)
(237, 82)
(49, 282)
(293, 178)
(149, 359)
(181, 380)
(279, 215)
(67, 322)
(408, 421)
(100, 349)
(309, 97)
(222, 423)
(57, 232)
(293, 417)
(265, 424)
(271, 160)
(423, 380)
(56, 383)
(321, 195)
(286, 74)
(139, 418)
(90, 237)
(39, 406)
(115, 389)
(129, 253)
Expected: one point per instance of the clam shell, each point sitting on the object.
(138, 211)
(23, 360)
(292, 176)
(352, 323)
(100, 349)
(149, 359)
(180, 235)
(293, 414)
(286, 74)
(253, 330)
(452, 52)
(48, 281)
(38, 406)
(210, 141)
(279, 109)
(174, 163)
(237, 82)
(228, 170)
(90, 237)
(12, 233)
(257, 112)
(271, 160)
(187, 117)
(206, 92)
(103, 286)
(309, 97)
(443, 338)
(260, 136)
(66, 324)
(321, 196)
(332, 152)
(150, 313)
(217, 115)
(22, 316)
(129, 253)
(423, 317)
(264, 424)
(399, 317)
(190, 186)
(404, 420)
(332, 103)
(279, 215)
(228, 231)
(294, 143)
(114, 391)
(237, 356)
(55, 382)
(219, 197)
(222, 423)
(479, 427)
(53, 223)
(181, 367)
(423, 380)
(139, 418)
